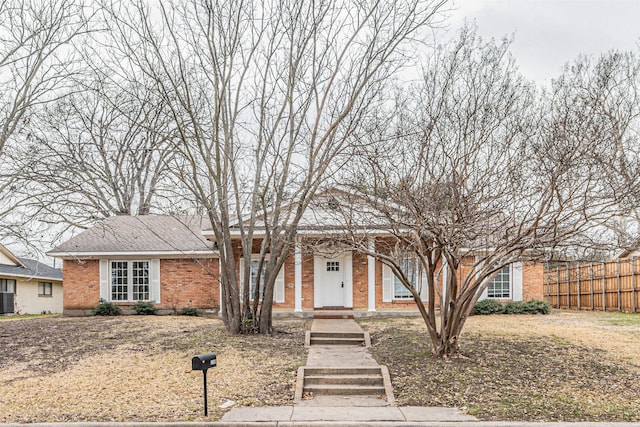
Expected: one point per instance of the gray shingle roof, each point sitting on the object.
(33, 269)
(139, 234)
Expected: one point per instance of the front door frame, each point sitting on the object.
(319, 262)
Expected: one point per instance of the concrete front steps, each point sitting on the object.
(337, 338)
(344, 381)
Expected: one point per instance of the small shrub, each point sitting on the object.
(105, 309)
(537, 307)
(144, 308)
(514, 307)
(528, 307)
(189, 311)
(488, 306)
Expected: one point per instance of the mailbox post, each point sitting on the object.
(202, 363)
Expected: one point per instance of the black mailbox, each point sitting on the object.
(203, 362)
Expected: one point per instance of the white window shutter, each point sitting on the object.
(154, 280)
(445, 278)
(104, 280)
(516, 281)
(387, 284)
(424, 285)
(485, 293)
(278, 289)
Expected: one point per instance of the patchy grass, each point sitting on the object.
(623, 319)
(26, 316)
(133, 368)
(567, 366)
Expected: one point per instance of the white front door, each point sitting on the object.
(332, 282)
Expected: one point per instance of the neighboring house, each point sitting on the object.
(28, 286)
(169, 261)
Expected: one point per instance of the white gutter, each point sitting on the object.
(163, 254)
(25, 276)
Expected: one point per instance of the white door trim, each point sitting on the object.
(319, 264)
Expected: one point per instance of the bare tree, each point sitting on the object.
(596, 102)
(35, 55)
(95, 153)
(265, 96)
(36, 61)
(474, 176)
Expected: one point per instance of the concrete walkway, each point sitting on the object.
(341, 409)
(338, 356)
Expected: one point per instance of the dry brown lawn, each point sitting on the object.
(564, 366)
(138, 368)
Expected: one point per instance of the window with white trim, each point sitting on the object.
(410, 271)
(500, 286)
(45, 289)
(7, 286)
(130, 281)
(255, 264)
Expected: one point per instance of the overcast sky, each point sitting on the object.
(549, 33)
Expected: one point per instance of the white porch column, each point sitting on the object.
(371, 276)
(298, 278)
(445, 277)
(220, 287)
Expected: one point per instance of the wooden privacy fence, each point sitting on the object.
(605, 286)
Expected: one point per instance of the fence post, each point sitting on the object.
(558, 283)
(593, 303)
(568, 287)
(578, 283)
(548, 293)
(619, 285)
(633, 284)
(604, 287)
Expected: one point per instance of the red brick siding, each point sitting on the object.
(532, 281)
(183, 283)
(360, 280)
(189, 283)
(307, 281)
(80, 284)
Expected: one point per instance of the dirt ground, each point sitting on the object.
(564, 366)
(567, 366)
(138, 368)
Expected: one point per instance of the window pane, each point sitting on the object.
(333, 265)
(500, 287)
(254, 278)
(45, 288)
(119, 281)
(7, 286)
(409, 269)
(140, 280)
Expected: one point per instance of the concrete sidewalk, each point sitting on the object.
(356, 414)
(332, 423)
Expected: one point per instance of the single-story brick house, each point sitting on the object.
(171, 261)
(28, 286)
(126, 259)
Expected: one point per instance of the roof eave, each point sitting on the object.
(158, 254)
(30, 277)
